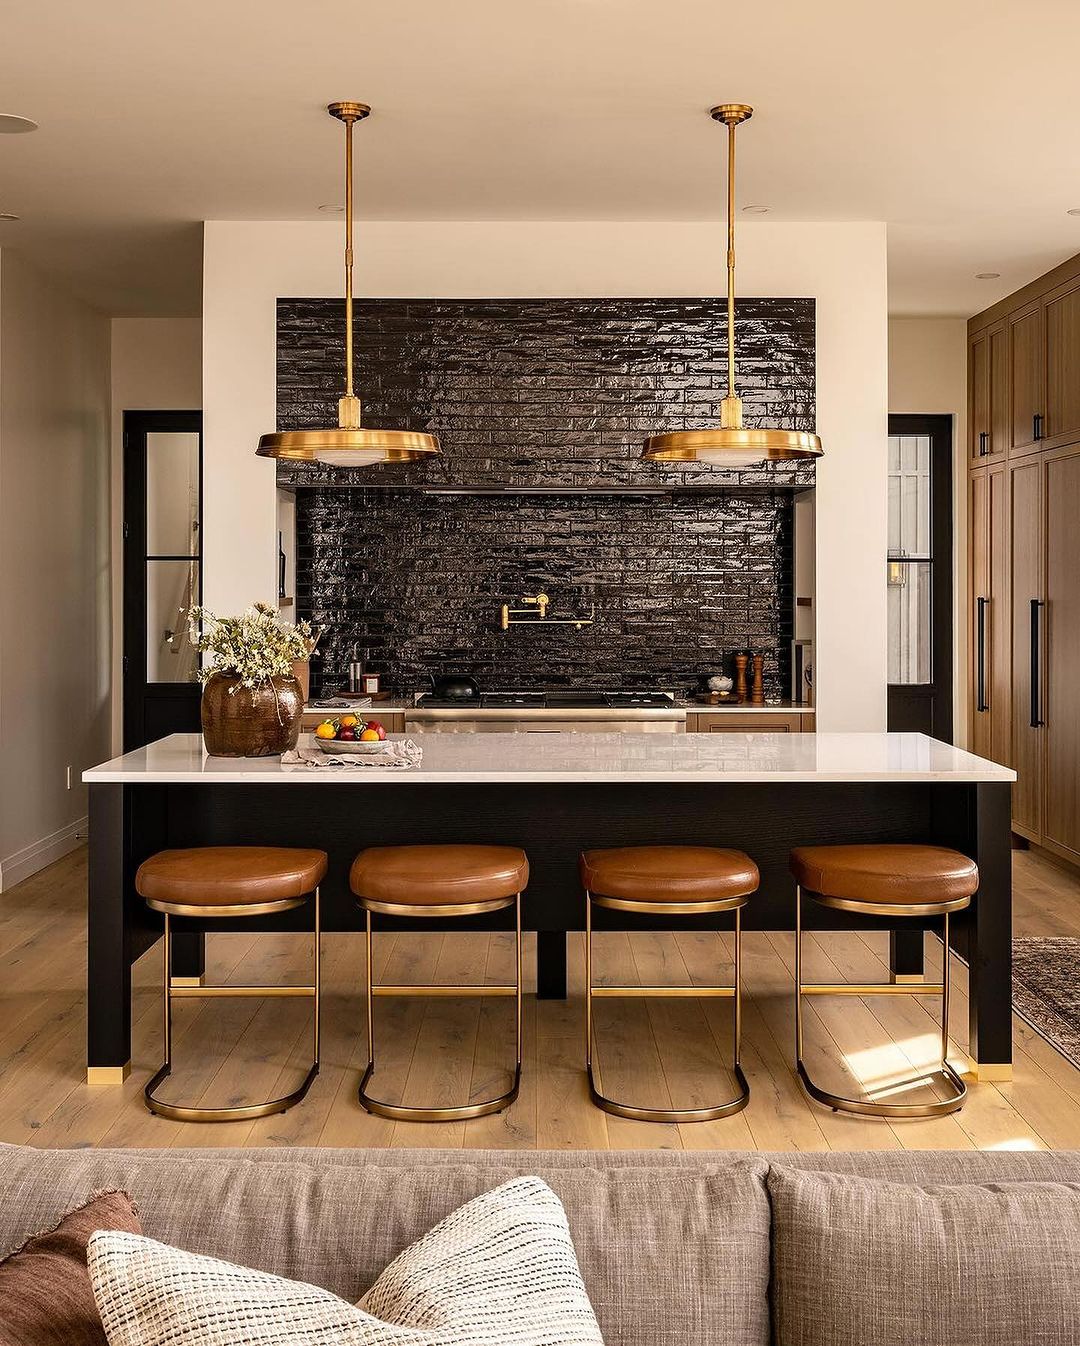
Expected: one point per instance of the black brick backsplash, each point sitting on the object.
(415, 582)
(546, 394)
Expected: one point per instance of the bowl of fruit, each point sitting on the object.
(349, 735)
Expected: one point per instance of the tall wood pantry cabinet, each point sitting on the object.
(1024, 551)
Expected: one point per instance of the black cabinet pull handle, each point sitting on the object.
(1037, 425)
(981, 702)
(984, 443)
(1037, 720)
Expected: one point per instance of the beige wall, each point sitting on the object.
(54, 564)
(156, 366)
(247, 266)
(928, 375)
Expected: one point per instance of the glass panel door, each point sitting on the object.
(172, 553)
(162, 572)
(918, 574)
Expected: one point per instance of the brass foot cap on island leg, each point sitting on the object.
(107, 1075)
(988, 1071)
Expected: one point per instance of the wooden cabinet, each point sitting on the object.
(1027, 377)
(1024, 551)
(749, 722)
(988, 378)
(1061, 318)
(1058, 657)
(1026, 584)
(988, 641)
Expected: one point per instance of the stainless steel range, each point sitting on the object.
(548, 713)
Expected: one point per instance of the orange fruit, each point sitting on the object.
(349, 721)
(326, 730)
(369, 736)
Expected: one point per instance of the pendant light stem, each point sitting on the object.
(731, 261)
(348, 260)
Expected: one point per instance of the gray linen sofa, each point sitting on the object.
(677, 1248)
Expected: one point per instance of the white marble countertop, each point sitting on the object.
(516, 758)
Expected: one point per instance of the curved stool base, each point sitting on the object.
(638, 1114)
(400, 1112)
(897, 1111)
(244, 1112)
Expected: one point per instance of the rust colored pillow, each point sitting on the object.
(45, 1294)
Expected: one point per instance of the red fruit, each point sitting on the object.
(374, 724)
(346, 734)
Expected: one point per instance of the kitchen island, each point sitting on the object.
(554, 795)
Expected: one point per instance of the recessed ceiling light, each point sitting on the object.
(331, 209)
(987, 275)
(755, 210)
(6, 215)
(12, 125)
(1075, 211)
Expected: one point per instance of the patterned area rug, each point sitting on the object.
(1046, 990)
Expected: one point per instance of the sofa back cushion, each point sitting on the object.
(670, 1255)
(856, 1260)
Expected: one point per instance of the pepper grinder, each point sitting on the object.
(741, 661)
(757, 689)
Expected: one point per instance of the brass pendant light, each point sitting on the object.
(731, 444)
(347, 444)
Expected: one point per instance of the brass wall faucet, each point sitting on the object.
(541, 602)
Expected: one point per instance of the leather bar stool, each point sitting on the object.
(428, 882)
(667, 881)
(219, 882)
(903, 881)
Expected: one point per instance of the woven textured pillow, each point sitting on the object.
(501, 1271)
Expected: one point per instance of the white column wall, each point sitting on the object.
(249, 265)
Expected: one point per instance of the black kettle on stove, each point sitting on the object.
(455, 687)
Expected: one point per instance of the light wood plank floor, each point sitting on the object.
(658, 1052)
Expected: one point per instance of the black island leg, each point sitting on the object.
(551, 964)
(188, 956)
(990, 939)
(108, 979)
(906, 955)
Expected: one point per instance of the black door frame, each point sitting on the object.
(136, 690)
(907, 702)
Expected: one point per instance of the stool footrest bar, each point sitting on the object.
(383, 989)
(873, 988)
(225, 992)
(663, 992)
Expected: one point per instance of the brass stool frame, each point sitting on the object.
(865, 1106)
(402, 1112)
(640, 1114)
(174, 990)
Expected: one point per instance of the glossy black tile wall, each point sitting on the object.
(545, 392)
(552, 395)
(415, 582)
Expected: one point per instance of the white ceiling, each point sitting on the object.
(956, 121)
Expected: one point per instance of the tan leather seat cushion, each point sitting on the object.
(668, 873)
(230, 876)
(425, 876)
(886, 874)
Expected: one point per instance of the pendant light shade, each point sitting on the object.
(730, 444)
(348, 444)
